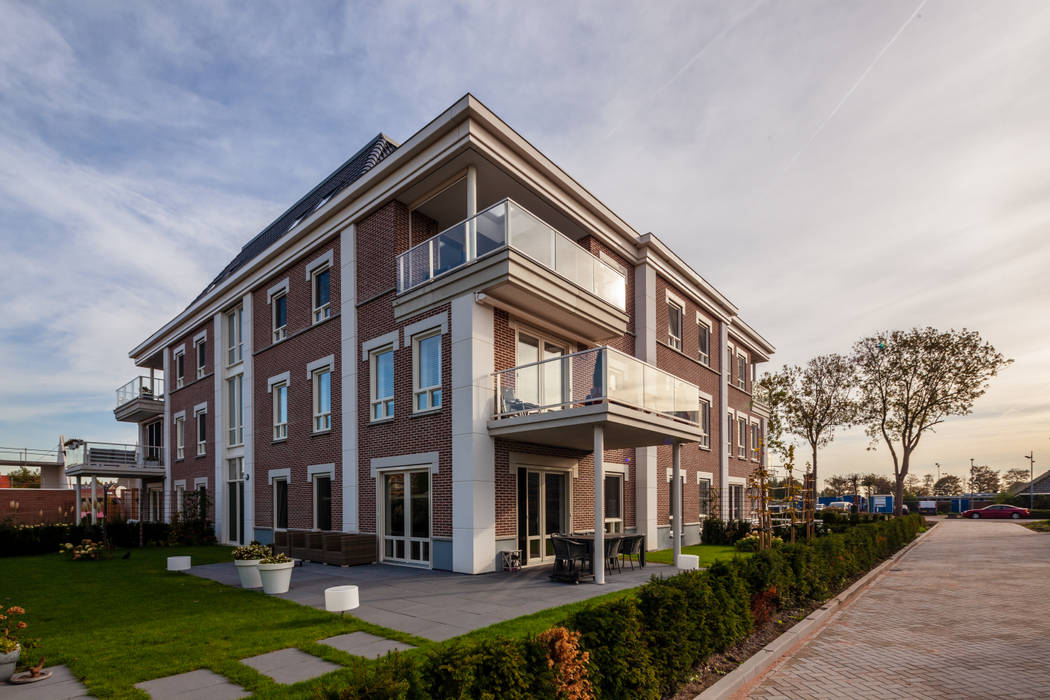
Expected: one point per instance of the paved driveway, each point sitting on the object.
(964, 614)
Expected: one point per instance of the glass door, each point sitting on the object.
(543, 507)
(235, 500)
(406, 517)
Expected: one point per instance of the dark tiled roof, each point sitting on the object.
(345, 175)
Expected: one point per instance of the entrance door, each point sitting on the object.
(543, 511)
(235, 500)
(406, 517)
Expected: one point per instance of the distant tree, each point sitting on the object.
(983, 479)
(927, 485)
(911, 381)
(1014, 477)
(23, 478)
(876, 483)
(812, 400)
(948, 485)
(912, 486)
(837, 486)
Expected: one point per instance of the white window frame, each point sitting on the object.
(287, 485)
(315, 268)
(200, 341)
(201, 414)
(426, 391)
(314, 471)
(741, 438)
(705, 441)
(704, 328)
(180, 495)
(234, 320)
(385, 404)
(235, 411)
(180, 436)
(616, 525)
(322, 420)
(741, 370)
(180, 378)
(756, 436)
(731, 419)
(280, 427)
(279, 332)
(672, 307)
(702, 478)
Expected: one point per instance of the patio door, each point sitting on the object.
(543, 511)
(235, 500)
(540, 384)
(406, 516)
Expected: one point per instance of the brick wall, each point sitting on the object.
(34, 506)
(194, 391)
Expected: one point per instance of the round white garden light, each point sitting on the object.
(178, 563)
(341, 598)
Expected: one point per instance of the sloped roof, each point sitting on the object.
(1041, 486)
(346, 174)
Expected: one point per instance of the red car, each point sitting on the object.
(997, 511)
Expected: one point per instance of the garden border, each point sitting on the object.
(746, 674)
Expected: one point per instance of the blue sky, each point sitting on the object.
(834, 168)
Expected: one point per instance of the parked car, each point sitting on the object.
(844, 506)
(999, 510)
(819, 507)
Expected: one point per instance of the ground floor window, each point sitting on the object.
(280, 504)
(180, 497)
(736, 501)
(406, 516)
(704, 492)
(235, 500)
(614, 503)
(323, 502)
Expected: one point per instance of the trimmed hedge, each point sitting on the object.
(647, 646)
(725, 532)
(21, 540)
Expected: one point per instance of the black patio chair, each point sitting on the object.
(632, 547)
(570, 560)
(612, 554)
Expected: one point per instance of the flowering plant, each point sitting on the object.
(251, 551)
(85, 550)
(279, 558)
(11, 628)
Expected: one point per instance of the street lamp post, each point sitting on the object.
(1031, 479)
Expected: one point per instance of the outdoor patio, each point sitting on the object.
(439, 605)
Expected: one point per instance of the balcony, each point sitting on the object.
(140, 399)
(113, 459)
(519, 262)
(558, 402)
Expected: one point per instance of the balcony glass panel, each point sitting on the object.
(593, 376)
(104, 453)
(140, 387)
(503, 224)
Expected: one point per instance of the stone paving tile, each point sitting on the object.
(365, 644)
(962, 615)
(201, 684)
(287, 666)
(61, 685)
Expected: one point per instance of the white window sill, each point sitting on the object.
(428, 412)
(380, 421)
(316, 432)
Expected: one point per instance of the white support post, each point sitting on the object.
(676, 498)
(472, 209)
(94, 505)
(76, 500)
(599, 504)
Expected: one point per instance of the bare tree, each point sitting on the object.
(911, 381)
(983, 479)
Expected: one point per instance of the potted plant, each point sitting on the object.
(246, 559)
(276, 573)
(9, 646)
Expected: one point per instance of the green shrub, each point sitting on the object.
(667, 632)
(497, 668)
(394, 677)
(620, 664)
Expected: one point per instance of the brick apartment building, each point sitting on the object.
(432, 346)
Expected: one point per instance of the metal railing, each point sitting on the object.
(508, 224)
(113, 454)
(141, 387)
(593, 376)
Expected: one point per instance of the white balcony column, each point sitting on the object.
(645, 458)
(472, 209)
(723, 407)
(76, 500)
(599, 503)
(348, 385)
(94, 503)
(676, 498)
(165, 439)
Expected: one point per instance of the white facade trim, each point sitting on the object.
(178, 483)
(272, 474)
(614, 468)
(378, 342)
(348, 385)
(321, 363)
(177, 416)
(201, 407)
(670, 475)
(320, 470)
(282, 378)
(738, 480)
(705, 395)
(427, 324)
(523, 460)
(705, 475)
(413, 461)
(218, 498)
(203, 335)
(201, 481)
(318, 263)
(279, 288)
(674, 298)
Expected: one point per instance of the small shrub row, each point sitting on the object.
(643, 647)
(21, 540)
(725, 532)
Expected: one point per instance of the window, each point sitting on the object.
(728, 365)
(201, 351)
(736, 501)
(704, 491)
(322, 502)
(235, 336)
(322, 380)
(704, 342)
(154, 441)
(674, 325)
(756, 450)
(180, 497)
(235, 410)
(280, 504)
(280, 411)
(729, 433)
(741, 370)
(741, 436)
(180, 437)
(382, 383)
(180, 368)
(614, 502)
(280, 316)
(705, 422)
(426, 359)
(201, 417)
(322, 301)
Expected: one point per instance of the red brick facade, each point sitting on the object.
(194, 391)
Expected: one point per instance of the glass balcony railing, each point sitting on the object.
(594, 376)
(112, 454)
(508, 224)
(140, 387)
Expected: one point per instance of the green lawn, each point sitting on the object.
(708, 553)
(1038, 526)
(121, 621)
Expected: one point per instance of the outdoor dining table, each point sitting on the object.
(588, 540)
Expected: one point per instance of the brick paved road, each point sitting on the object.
(964, 614)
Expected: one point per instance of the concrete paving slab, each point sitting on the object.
(364, 644)
(287, 666)
(60, 686)
(201, 684)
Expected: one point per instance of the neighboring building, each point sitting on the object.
(429, 345)
(1039, 486)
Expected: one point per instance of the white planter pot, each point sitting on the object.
(8, 662)
(248, 570)
(276, 578)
